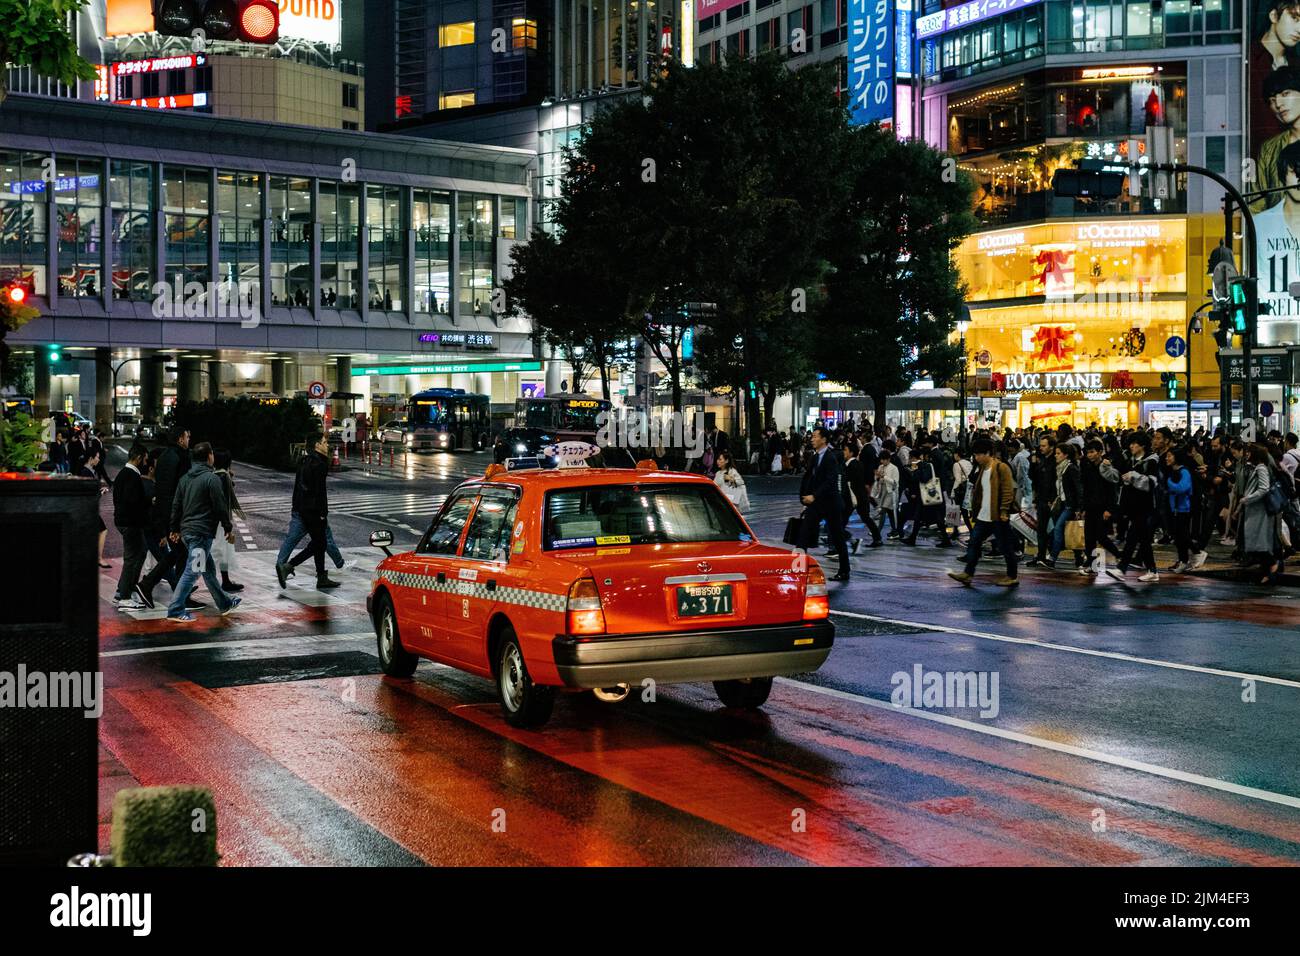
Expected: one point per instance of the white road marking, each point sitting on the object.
(274, 642)
(1197, 779)
(1071, 649)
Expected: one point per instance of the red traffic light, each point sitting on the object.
(17, 294)
(259, 21)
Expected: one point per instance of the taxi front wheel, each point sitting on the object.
(749, 693)
(394, 659)
(524, 703)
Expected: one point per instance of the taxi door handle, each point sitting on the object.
(492, 585)
(442, 577)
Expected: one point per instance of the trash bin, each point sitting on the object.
(49, 663)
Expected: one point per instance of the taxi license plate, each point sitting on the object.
(697, 600)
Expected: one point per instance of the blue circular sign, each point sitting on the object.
(1265, 409)
(1175, 346)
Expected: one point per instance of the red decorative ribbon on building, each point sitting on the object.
(1053, 343)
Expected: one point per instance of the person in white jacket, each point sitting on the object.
(886, 493)
(730, 481)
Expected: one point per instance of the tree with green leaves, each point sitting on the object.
(893, 293)
(35, 33)
(579, 310)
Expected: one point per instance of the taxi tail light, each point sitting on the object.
(816, 603)
(584, 614)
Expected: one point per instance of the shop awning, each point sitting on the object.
(915, 400)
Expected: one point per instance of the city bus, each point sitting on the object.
(544, 421)
(442, 419)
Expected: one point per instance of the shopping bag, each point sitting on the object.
(1074, 537)
(1024, 524)
(931, 492)
(776, 463)
(952, 515)
(793, 530)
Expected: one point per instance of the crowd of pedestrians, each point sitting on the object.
(1086, 501)
(176, 504)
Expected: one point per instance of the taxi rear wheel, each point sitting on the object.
(749, 693)
(394, 660)
(523, 703)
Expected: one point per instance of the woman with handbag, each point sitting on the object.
(730, 482)
(1259, 527)
(1068, 505)
(929, 501)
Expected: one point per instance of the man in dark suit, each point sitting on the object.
(131, 515)
(820, 492)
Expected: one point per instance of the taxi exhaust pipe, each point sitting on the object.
(612, 695)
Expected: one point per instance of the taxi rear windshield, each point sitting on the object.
(639, 514)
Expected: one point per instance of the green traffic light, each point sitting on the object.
(54, 354)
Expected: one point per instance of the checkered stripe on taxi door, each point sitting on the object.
(522, 597)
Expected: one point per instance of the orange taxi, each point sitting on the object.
(602, 580)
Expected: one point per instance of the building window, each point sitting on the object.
(339, 213)
(350, 124)
(800, 20)
(291, 228)
(710, 23)
(738, 43)
(738, 11)
(350, 97)
(514, 218)
(239, 235)
(384, 207)
(185, 225)
(523, 33)
(769, 34)
(453, 101)
(431, 221)
(476, 229)
(80, 233)
(130, 200)
(456, 34)
(834, 22)
(23, 219)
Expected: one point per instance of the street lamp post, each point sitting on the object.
(962, 324)
(1193, 325)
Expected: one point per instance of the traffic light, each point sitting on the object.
(1087, 184)
(16, 294)
(55, 354)
(753, 390)
(249, 21)
(1223, 327)
(1170, 381)
(1243, 305)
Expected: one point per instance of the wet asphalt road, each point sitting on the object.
(1132, 724)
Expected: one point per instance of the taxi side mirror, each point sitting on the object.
(382, 539)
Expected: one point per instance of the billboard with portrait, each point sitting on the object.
(1273, 108)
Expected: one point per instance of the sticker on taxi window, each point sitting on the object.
(745, 537)
(614, 539)
(605, 551)
(573, 542)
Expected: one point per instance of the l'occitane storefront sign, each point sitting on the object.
(1066, 259)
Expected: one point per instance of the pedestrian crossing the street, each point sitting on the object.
(397, 507)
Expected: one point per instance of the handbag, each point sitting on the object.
(793, 530)
(931, 492)
(1074, 536)
(1276, 499)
